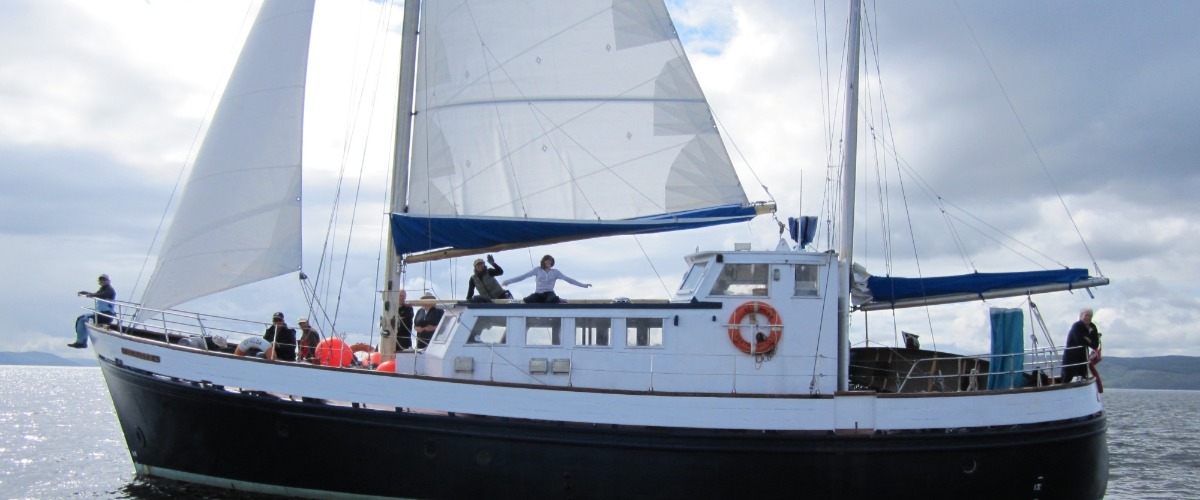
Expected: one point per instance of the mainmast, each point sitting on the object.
(846, 225)
(400, 164)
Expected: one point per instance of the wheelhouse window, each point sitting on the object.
(807, 281)
(592, 332)
(742, 279)
(543, 331)
(692, 279)
(644, 332)
(488, 330)
(444, 328)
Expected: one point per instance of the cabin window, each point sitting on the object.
(644, 332)
(543, 331)
(742, 279)
(592, 331)
(488, 330)
(692, 278)
(807, 279)
(444, 328)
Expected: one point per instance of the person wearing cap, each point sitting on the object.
(104, 311)
(309, 337)
(544, 277)
(426, 321)
(484, 280)
(282, 337)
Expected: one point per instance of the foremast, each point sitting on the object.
(400, 165)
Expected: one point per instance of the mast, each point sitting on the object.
(849, 164)
(400, 163)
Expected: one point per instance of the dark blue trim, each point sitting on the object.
(420, 233)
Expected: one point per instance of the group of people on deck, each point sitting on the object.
(280, 341)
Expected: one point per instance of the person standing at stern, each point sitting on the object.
(1083, 335)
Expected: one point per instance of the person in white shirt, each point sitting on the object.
(545, 276)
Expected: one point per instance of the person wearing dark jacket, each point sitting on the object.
(104, 311)
(484, 280)
(1083, 335)
(426, 321)
(283, 336)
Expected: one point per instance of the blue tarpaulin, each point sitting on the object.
(1008, 349)
(420, 233)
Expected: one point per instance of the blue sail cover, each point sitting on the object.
(888, 289)
(419, 233)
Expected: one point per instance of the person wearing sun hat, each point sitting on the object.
(309, 338)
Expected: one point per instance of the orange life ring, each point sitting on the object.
(752, 309)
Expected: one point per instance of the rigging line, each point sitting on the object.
(652, 268)
(536, 113)
(1037, 154)
(1002, 233)
(192, 150)
(819, 43)
(885, 119)
(942, 203)
(469, 84)
(487, 55)
(1013, 250)
(355, 103)
(741, 155)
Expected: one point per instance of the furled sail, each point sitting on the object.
(894, 293)
(238, 220)
(579, 119)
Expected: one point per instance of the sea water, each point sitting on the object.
(59, 438)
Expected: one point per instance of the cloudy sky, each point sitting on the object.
(1007, 111)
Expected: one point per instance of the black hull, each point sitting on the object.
(303, 448)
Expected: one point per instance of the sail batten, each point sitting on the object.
(238, 220)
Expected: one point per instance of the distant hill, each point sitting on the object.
(1157, 372)
(41, 359)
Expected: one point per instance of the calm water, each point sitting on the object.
(59, 438)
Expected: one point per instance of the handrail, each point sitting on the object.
(1035, 361)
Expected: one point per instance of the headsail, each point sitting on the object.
(546, 111)
(238, 220)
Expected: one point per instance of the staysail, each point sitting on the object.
(543, 120)
(238, 220)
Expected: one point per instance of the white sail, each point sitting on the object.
(238, 220)
(550, 109)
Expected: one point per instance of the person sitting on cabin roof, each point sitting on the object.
(484, 280)
(545, 277)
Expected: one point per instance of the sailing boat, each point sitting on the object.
(528, 123)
